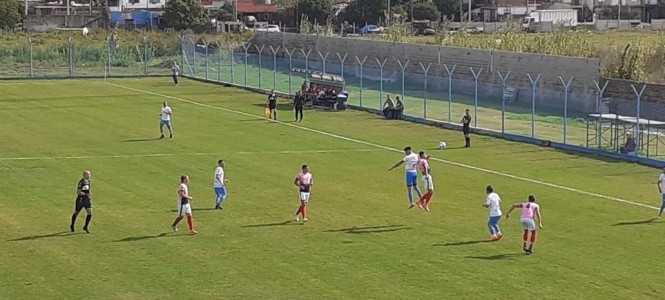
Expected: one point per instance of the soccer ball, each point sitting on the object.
(442, 145)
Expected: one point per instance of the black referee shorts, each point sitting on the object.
(83, 202)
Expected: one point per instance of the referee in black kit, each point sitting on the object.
(466, 121)
(272, 105)
(83, 201)
(298, 105)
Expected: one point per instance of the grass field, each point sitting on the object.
(361, 240)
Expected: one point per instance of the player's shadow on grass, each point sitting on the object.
(507, 256)
(193, 209)
(50, 235)
(463, 243)
(642, 222)
(272, 224)
(145, 237)
(140, 140)
(371, 229)
(280, 107)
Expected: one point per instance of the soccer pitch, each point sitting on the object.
(599, 241)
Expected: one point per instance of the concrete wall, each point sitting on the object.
(50, 22)
(549, 90)
(623, 100)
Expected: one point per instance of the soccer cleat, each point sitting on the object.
(161, 136)
(494, 238)
(71, 228)
(499, 236)
(529, 251)
(218, 207)
(525, 250)
(305, 219)
(297, 218)
(411, 206)
(170, 135)
(86, 230)
(420, 204)
(193, 232)
(426, 207)
(175, 229)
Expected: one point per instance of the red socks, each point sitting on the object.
(177, 220)
(525, 237)
(533, 237)
(190, 222)
(302, 210)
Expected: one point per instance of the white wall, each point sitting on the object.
(142, 4)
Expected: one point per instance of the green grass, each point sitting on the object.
(361, 241)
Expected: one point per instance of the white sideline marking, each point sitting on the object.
(393, 149)
(180, 154)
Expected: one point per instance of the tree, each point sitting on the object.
(448, 7)
(425, 11)
(364, 11)
(316, 10)
(9, 14)
(185, 14)
(225, 13)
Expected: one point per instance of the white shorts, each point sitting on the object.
(427, 182)
(184, 209)
(304, 197)
(528, 224)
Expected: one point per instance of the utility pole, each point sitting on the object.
(389, 16)
(469, 11)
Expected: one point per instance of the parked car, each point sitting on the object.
(269, 28)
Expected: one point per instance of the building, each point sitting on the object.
(262, 10)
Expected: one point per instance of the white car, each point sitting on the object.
(269, 28)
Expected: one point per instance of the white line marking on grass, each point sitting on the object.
(182, 154)
(392, 149)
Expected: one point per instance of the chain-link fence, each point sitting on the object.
(610, 125)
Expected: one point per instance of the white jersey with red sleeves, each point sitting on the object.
(529, 210)
(183, 187)
(305, 180)
(423, 165)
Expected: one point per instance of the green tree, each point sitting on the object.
(185, 14)
(364, 11)
(225, 13)
(425, 11)
(9, 14)
(448, 7)
(316, 10)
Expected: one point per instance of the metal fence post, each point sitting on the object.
(323, 59)
(206, 44)
(145, 56)
(260, 50)
(503, 99)
(599, 102)
(274, 67)
(475, 95)
(71, 57)
(341, 65)
(32, 74)
(426, 71)
(233, 59)
(381, 65)
(194, 69)
(182, 52)
(639, 101)
(534, 83)
(403, 66)
(361, 63)
(246, 47)
(566, 87)
(219, 61)
(108, 51)
(450, 89)
(306, 61)
(290, 54)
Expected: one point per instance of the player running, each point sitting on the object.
(411, 160)
(428, 183)
(83, 200)
(661, 190)
(166, 120)
(493, 202)
(304, 182)
(219, 185)
(184, 206)
(530, 210)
